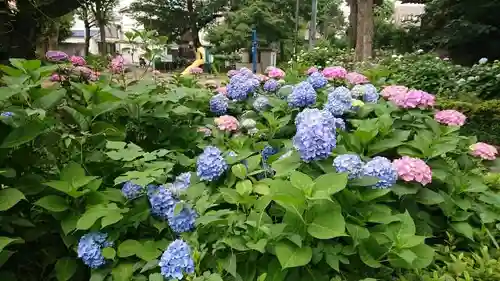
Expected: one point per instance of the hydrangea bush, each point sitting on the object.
(323, 179)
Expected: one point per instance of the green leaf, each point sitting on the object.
(111, 218)
(65, 269)
(290, 255)
(4, 241)
(286, 165)
(425, 256)
(429, 197)
(108, 253)
(149, 251)
(239, 170)
(301, 180)
(327, 221)
(404, 189)
(10, 197)
(129, 248)
(79, 119)
(156, 277)
(464, 228)
(329, 184)
(93, 213)
(50, 100)
(123, 272)
(72, 172)
(24, 134)
(53, 203)
(244, 187)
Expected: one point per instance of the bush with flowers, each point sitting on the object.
(329, 178)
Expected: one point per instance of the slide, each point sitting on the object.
(200, 60)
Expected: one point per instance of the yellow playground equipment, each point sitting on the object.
(200, 60)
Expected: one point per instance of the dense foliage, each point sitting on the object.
(111, 179)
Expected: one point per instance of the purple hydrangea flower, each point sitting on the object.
(210, 164)
(56, 56)
(90, 246)
(339, 101)
(131, 190)
(315, 137)
(381, 168)
(339, 123)
(317, 80)
(219, 104)
(271, 86)
(349, 163)
(261, 103)
(183, 221)
(162, 201)
(303, 95)
(176, 261)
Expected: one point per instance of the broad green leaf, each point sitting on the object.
(327, 221)
(425, 256)
(244, 187)
(429, 197)
(156, 277)
(111, 218)
(123, 272)
(4, 256)
(239, 170)
(258, 246)
(129, 248)
(4, 241)
(290, 255)
(108, 253)
(53, 203)
(404, 189)
(229, 264)
(71, 172)
(464, 228)
(65, 269)
(24, 134)
(329, 184)
(90, 216)
(149, 251)
(50, 100)
(286, 165)
(78, 118)
(301, 180)
(10, 197)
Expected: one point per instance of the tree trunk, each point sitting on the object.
(364, 36)
(194, 24)
(5, 19)
(53, 40)
(99, 17)
(353, 23)
(87, 37)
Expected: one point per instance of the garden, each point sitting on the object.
(319, 170)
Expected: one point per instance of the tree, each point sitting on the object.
(174, 18)
(361, 26)
(19, 27)
(85, 14)
(53, 32)
(102, 11)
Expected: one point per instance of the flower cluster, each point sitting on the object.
(303, 95)
(180, 184)
(117, 64)
(176, 260)
(317, 80)
(335, 72)
(56, 56)
(381, 168)
(484, 151)
(242, 84)
(131, 190)
(227, 123)
(196, 70)
(315, 137)
(355, 78)
(339, 123)
(219, 104)
(311, 70)
(413, 99)
(206, 131)
(450, 117)
(163, 203)
(413, 169)
(248, 123)
(350, 164)
(367, 92)
(77, 61)
(339, 101)
(271, 86)
(392, 91)
(261, 103)
(276, 73)
(90, 246)
(221, 90)
(210, 164)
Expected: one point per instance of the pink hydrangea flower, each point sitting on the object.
(56, 77)
(77, 61)
(484, 151)
(206, 131)
(232, 72)
(450, 117)
(94, 76)
(196, 70)
(262, 77)
(276, 73)
(117, 64)
(227, 123)
(311, 70)
(413, 169)
(414, 99)
(355, 78)
(391, 91)
(222, 90)
(334, 72)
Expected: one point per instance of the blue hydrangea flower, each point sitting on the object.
(237, 91)
(339, 101)
(315, 137)
(90, 246)
(381, 168)
(317, 80)
(261, 103)
(303, 95)
(219, 104)
(183, 221)
(162, 201)
(181, 183)
(339, 123)
(176, 260)
(349, 163)
(131, 190)
(210, 164)
(271, 86)
(267, 152)
(7, 114)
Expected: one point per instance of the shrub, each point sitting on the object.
(297, 194)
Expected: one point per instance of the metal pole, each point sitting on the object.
(296, 39)
(254, 50)
(312, 24)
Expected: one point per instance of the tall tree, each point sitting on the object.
(85, 14)
(103, 13)
(174, 18)
(364, 30)
(54, 31)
